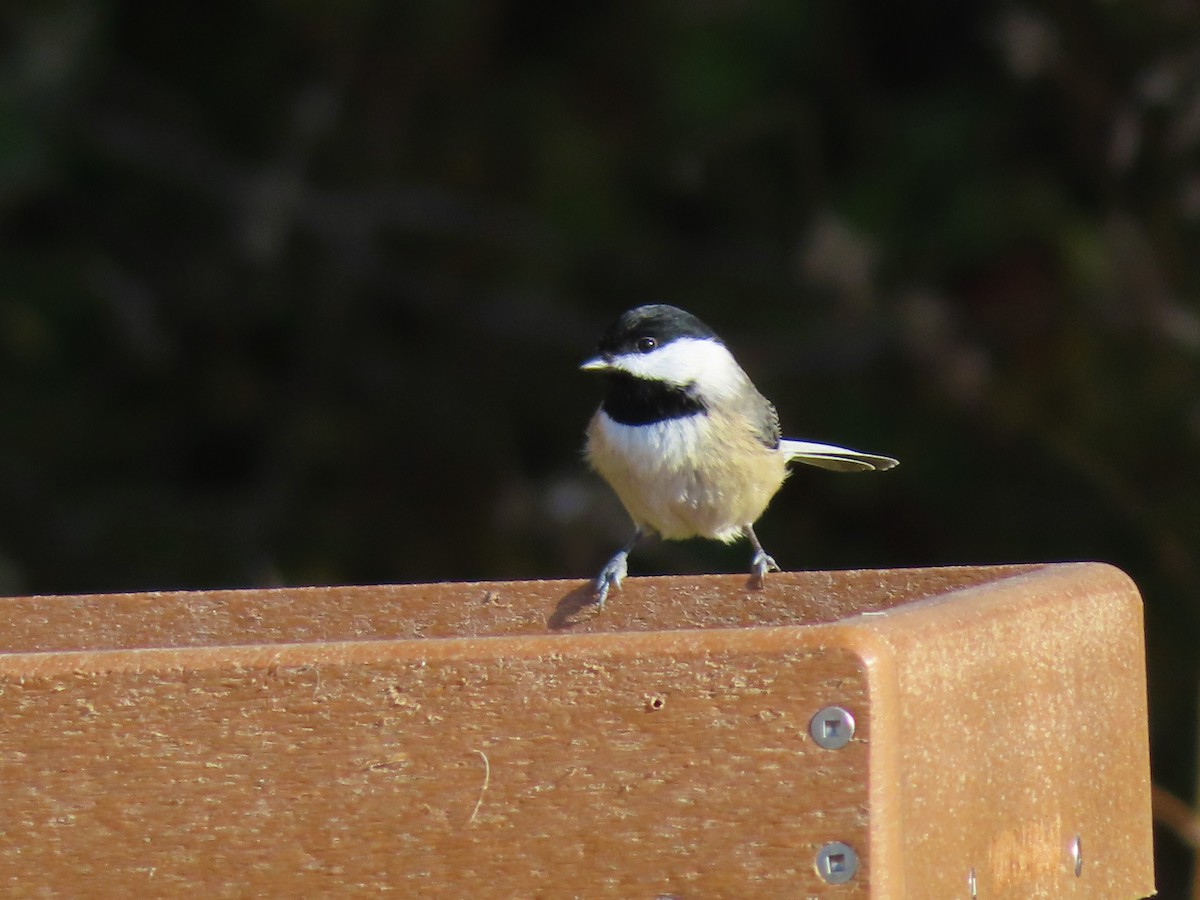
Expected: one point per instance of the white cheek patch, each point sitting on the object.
(687, 361)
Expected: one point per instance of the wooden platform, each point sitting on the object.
(505, 740)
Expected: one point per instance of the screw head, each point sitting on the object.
(1076, 851)
(832, 727)
(836, 863)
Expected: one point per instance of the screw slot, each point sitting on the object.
(836, 863)
(1077, 855)
(832, 727)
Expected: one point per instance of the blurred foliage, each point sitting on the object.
(294, 292)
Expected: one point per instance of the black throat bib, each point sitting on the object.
(641, 401)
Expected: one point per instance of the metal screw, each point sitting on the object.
(832, 727)
(836, 863)
(1077, 855)
(972, 885)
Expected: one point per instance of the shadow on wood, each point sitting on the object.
(507, 739)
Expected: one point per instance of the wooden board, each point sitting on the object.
(1019, 717)
(505, 740)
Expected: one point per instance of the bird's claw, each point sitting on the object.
(761, 565)
(610, 576)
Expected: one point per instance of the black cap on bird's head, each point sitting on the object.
(645, 329)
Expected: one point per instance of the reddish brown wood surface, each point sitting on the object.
(505, 740)
(1020, 715)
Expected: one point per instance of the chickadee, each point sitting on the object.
(686, 440)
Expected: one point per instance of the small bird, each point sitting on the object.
(688, 443)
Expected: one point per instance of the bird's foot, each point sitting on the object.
(610, 576)
(760, 566)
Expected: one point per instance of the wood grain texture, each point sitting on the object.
(505, 740)
(460, 610)
(1023, 708)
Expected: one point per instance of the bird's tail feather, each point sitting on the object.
(837, 459)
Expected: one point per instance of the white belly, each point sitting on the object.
(686, 477)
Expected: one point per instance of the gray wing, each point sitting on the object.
(766, 423)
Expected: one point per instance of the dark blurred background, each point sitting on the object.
(294, 293)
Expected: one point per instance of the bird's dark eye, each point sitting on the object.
(646, 344)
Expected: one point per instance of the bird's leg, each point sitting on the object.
(762, 563)
(614, 570)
